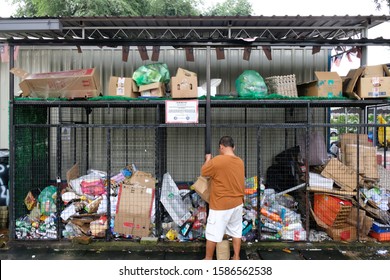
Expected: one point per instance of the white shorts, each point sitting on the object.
(221, 222)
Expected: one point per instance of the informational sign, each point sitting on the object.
(65, 133)
(181, 111)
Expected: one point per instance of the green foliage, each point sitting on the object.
(79, 8)
(346, 119)
(76, 8)
(173, 8)
(353, 119)
(230, 8)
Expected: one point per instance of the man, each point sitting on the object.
(227, 174)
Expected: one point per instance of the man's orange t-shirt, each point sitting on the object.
(227, 175)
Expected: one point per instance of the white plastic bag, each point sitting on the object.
(173, 202)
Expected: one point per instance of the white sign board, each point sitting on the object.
(181, 111)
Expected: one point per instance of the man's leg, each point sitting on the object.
(210, 249)
(236, 248)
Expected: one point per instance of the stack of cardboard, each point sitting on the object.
(359, 154)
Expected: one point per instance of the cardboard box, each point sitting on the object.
(344, 176)
(152, 90)
(202, 188)
(380, 70)
(184, 84)
(332, 210)
(374, 87)
(122, 86)
(345, 232)
(327, 84)
(367, 161)
(134, 206)
(368, 82)
(353, 138)
(365, 222)
(70, 84)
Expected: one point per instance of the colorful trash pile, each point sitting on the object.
(278, 216)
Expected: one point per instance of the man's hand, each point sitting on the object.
(208, 157)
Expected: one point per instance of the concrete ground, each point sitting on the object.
(153, 250)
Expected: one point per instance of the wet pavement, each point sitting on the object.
(124, 250)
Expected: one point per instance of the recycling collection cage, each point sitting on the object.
(118, 171)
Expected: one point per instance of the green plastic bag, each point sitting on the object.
(47, 200)
(152, 73)
(251, 84)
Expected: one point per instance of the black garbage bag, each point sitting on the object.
(286, 171)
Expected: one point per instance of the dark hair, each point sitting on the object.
(226, 141)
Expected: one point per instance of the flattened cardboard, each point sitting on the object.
(143, 179)
(351, 81)
(134, 206)
(122, 86)
(73, 173)
(133, 211)
(344, 176)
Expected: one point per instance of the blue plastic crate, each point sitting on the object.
(379, 228)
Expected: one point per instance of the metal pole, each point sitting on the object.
(11, 144)
(208, 103)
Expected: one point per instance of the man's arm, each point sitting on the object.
(205, 170)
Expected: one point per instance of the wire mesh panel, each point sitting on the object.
(111, 191)
(132, 175)
(183, 212)
(35, 192)
(282, 203)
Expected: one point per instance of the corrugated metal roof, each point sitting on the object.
(193, 30)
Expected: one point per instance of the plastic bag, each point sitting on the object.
(47, 200)
(152, 73)
(173, 202)
(251, 84)
(95, 187)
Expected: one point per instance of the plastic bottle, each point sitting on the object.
(272, 216)
(186, 228)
